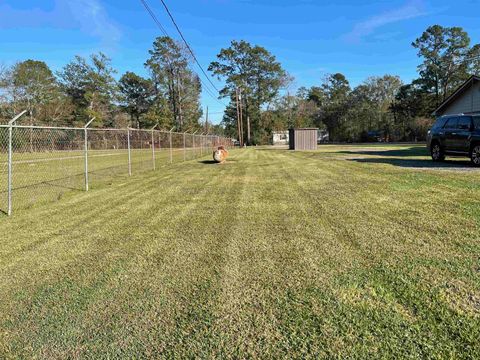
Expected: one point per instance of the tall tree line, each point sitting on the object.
(380, 108)
(88, 87)
(258, 77)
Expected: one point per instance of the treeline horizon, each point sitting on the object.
(380, 107)
(86, 88)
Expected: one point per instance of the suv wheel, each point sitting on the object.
(437, 152)
(475, 155)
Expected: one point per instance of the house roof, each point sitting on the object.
(457, 93)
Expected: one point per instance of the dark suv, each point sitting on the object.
(455, 135)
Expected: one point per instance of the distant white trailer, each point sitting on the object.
(280, 138)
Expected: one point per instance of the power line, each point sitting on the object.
(154, 17)
(188, 46)
(209, 91)
(162, 29)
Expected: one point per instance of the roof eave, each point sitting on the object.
(456, 93)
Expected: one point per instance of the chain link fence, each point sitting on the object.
(3, 169)
(40, 164)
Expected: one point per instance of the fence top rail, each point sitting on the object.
(40, 127)
(101, 129)
(108, 129)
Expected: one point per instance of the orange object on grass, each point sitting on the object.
(220, 155)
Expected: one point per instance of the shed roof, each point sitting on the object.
(457, 93)
(304, 129)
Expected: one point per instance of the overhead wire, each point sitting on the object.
(154, 17)
(162, 29)
(187, 44)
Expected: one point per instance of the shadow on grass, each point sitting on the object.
(419, 164)
(208, 162)
(47, 184)
(412, 151)
(212, 162)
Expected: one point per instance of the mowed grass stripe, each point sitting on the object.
(411, 221)
(136, 237)
(85, 210)
(274, 254)
(395, 305)
(266, 267)
(393, 257)
(413, 206)
(42, 177)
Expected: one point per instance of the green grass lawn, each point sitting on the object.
(346, 252)
(41, 177)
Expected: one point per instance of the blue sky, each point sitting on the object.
(310, 38)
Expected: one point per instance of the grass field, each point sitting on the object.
(347, 252)
(42, 177)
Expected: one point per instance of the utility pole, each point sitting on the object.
(248, 130)
(238, 118)
(289, 109)
(241, 114)
(248, 121)
(206, 121)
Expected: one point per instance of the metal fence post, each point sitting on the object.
(9, 211)
(153, 145)
(10, 160)
(85, 129)
(193, 145)
(129, 154)
(171, 150)
(184, 148)
(153, 150)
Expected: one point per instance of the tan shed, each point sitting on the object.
(303, 139)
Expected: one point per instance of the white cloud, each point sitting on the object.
(94, 20)
(89, 16)
(410, 10)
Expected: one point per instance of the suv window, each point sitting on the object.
(439, 123)
(451, 123)
(476, 122)
(464, 123)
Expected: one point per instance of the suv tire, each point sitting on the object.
(437, 152)
(475, 155)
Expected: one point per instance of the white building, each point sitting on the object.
(464, 100)
(280, 138)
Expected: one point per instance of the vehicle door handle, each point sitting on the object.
(454, 133)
